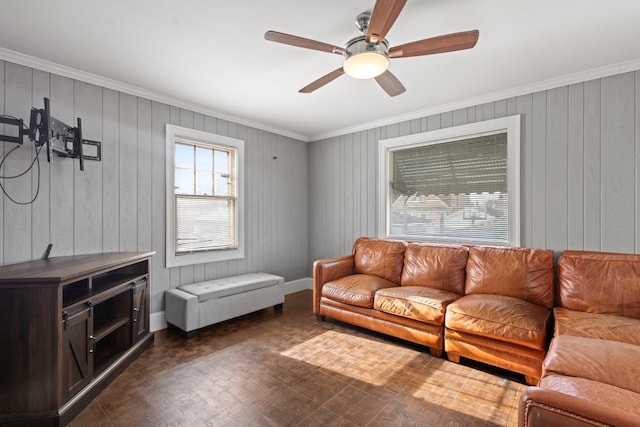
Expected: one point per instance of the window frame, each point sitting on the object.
(510, 125)
(177, 134)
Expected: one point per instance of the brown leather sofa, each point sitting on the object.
(502, 298)
(504, 317)
(591, 374)
(393, 287)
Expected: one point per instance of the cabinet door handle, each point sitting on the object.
(92, 344)
(135, 314)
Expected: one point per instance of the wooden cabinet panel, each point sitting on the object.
(140, 321)
(70, 326)
(77, 354)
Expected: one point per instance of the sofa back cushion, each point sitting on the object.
(435, 266)
(522, 273)
(600, 283)
(379, 257)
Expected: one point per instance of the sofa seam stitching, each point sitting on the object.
(503, 324)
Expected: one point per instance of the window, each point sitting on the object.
(204, 197)
(457, 184)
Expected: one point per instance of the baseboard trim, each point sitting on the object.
(298, 285)
(158, 320)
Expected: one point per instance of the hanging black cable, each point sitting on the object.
(36, 160)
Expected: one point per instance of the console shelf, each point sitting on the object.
(109, 328)
(70, 326)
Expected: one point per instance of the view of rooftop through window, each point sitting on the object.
(450, 190)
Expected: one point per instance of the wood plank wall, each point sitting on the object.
(118, 204)
(580, 169)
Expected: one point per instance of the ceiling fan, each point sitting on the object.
(367, 56)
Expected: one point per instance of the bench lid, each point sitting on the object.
(220, 288)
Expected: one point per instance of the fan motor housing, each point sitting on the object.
(359, 45)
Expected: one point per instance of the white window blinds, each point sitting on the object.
(205, 198)
(453, 190)
(204, 223)
(473, 165)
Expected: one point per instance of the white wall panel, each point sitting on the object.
(40, 208)
(592, 170)
(539, 171)
(144, 170)
(637, 156)
(579, 169)
(110, 171)
(61, 174)
(118, 204)
(17, 217)
(618, 163)
(87, 184)
(524, 106)
(557, 166)
(128, 174)
(579, 177)
(161, 277)
(575, 166)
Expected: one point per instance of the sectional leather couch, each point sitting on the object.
(577, 343)
(491, 304)
(591, 374)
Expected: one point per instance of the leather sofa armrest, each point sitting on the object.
(326, 270)
(547, 408)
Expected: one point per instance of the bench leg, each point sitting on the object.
(278, 307)
(191, 334)
(185, 334)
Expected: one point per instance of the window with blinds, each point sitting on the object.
(205, 197)
(204, 202)
(453, 189)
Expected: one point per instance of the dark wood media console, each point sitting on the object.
(70, 325)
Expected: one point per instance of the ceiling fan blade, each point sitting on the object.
(327, 78)
(440, 44)
(390, 83)
(275, 36)
(385, 13)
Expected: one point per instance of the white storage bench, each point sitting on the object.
(194, 306)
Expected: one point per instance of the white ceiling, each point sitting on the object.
(211, 54)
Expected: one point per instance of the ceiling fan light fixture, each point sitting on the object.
(366, 65)
(367, 56)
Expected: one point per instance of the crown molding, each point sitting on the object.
(75, 74)
(51, 67)
(556, 82)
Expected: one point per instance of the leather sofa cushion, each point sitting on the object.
(599, 283)
(593, 392)
(500, 318)
(435, 266)
(522, 273)
(592, 325)
(357, 289)
(415, 302)
(608, 362)
(379, 257)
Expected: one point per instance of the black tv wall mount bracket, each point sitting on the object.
(58, 137)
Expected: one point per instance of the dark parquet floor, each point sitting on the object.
(286, 368)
